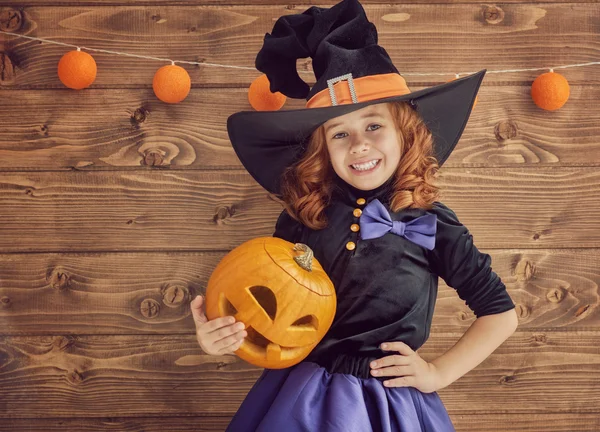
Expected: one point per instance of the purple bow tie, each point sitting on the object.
(375, 221)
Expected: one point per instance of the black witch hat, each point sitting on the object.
(352, 72)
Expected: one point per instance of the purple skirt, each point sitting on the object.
(307, 398)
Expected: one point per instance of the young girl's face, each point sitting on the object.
(364, 146)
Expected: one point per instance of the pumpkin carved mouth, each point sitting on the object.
(267, 301)
(263, 347)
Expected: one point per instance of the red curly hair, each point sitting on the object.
(306, 186)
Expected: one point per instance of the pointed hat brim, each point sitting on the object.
(266, 142)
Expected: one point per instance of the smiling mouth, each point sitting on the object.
(366, 167)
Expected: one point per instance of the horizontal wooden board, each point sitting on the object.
(131, 376)
(420, 38)
(224, 3)
(218, 210)
(532, 422)
(129, 128)
(125, 293)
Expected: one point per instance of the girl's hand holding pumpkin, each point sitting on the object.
(218, 336)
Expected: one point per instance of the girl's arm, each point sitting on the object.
(481, 339)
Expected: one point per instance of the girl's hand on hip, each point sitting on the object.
(408, 367)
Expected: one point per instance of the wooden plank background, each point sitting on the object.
(115, 208)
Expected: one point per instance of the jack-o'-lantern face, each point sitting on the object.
(282, 295)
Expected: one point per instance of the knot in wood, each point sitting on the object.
(505, 130)
(139, 116)
(525, 270)
(153, 157)
(507, 379)
(63, 342)
(222, 212)
(5, 301)
(11, 20)
(74, 377)
(556, 295)
(463, 316)
(175, 295)
(7, 68)
(583, 309)
(493, 14)
(539, 337)
(59, 279)
(522, 310)
(150, 308)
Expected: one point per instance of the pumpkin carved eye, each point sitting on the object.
(266, 299)
(307, 322)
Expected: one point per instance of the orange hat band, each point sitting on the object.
(359, 90)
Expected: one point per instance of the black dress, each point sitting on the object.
(387, 287)
(386, 290)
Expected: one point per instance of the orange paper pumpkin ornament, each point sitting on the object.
(550, 91)
(282, 295)
(77, 70)
(171, 84)
(261, 98)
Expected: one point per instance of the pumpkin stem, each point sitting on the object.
(304, 260)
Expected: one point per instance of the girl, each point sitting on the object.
(355, 172)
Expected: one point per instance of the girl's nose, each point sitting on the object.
(359, 145)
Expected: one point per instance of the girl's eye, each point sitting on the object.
(378, 126)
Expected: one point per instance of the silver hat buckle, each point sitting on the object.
(332, 81)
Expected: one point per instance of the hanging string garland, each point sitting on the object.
(171, 83)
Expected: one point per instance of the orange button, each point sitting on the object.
(357, 212)
(354, 227)
(360, 201)
(350, 245)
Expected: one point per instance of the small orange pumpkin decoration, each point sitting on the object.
(261, 98)
(282, 295)
(77, 70)
(171, 84)
(550, 91)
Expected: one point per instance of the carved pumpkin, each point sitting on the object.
(282, 295)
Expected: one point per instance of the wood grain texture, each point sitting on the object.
(130, 376)
(115, 208)
(550, 422)
(224, 3)
(218, 210)
(531, 422)
(418, 38)
(130, 128)
(135, 293)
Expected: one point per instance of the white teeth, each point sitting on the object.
(365, 166)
